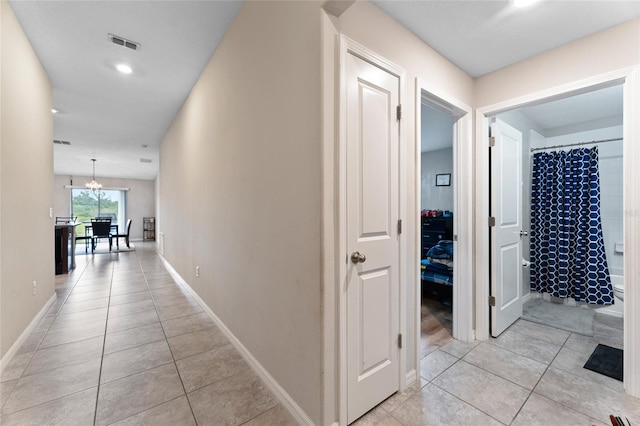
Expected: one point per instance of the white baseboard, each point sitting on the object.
(411, 377)
(281, 395)
(6, 359)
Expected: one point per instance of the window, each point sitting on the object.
(86, 204)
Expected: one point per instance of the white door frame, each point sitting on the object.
(348, 46)
(630, 79)
(462, 211)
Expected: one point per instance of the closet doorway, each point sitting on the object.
(443, 238)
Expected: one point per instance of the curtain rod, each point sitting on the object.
(102, 189)
(576, 144)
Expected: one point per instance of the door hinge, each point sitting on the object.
(492, 221)
(492, 141)
(398, 112)
(400, 341)
(455, 237)
(399, 226)
(492, 301)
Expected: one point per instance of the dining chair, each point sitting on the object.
(125, 236)
(100, 228)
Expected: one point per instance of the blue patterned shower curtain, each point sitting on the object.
(566, 243)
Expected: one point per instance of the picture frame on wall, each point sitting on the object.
(443, 179)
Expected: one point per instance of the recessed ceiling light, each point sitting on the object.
(54, 111)
(523, 3)
(124, 68)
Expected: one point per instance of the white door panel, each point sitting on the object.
(506, 208)
(372, 287)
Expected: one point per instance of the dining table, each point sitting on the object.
(115, 229)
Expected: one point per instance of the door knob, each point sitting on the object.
(524, 234)
(356, 257)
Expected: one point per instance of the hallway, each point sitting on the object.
(124, 343)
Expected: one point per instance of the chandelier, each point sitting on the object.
(93, 185)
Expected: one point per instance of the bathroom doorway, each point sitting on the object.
(585, 131)
(628, 78)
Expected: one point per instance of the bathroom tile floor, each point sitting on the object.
(125, 344)
(530, 375)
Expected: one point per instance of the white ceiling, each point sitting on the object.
(592, 107)
(109, 116)
(105, 114)
(586, 111)
(482, 36)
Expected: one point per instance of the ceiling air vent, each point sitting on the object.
(56, 141)
(145, 160)
(121, 41)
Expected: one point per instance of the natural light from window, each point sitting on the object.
(86, 205)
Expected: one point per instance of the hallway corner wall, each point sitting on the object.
(368, 25)
(240, 191)
(26, 150)
(612, 49)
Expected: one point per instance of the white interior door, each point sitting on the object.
(506, 208)
(372, 287)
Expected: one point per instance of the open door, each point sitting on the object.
(506, 226)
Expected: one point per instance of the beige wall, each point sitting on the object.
(609, 50)
(140, 201)
(240, 187)
(368, 25)
(26, 150)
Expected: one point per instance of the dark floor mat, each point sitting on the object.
(606, 360)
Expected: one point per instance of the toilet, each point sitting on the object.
(617, 281)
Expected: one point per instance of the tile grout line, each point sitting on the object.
(175, 365)
(45, 332)
(488, 372)
(55, 315)
(493, 374)
(175, 362)
(465, 402)
(104, 345)
(567, 372)
(540, 379)
(104, 341)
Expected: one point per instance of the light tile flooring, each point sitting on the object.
(530, 375)
(125, 344)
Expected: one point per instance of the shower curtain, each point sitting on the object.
(566, 242)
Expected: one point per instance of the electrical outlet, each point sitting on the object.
(35, 288)
(197, 271)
